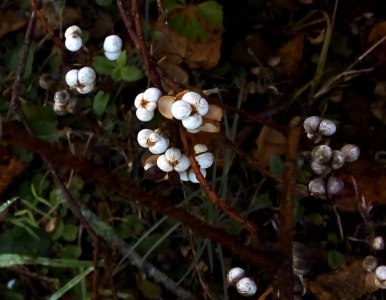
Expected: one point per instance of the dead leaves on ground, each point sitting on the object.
(10, 21)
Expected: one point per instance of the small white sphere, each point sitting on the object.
(112, 55)
(144, 115)
(164, 164)
(192, 176)
(200, 148)
(334, 185)
(193, 130)
(151, 106)
(173, 155)
(192, 122)
(317, 186)
(184, 175)
(327, 127)
(380, 273)
(205, 160)
(192, 98)
(183, 163)
(73, 30)
(60, 109)
(378, 244)
(86, 75)
(73, 42)
(138, 100)
(84, 89)
(351, 152)
(112, 43)
(202, 107)
(143, 136)
(181, 110)
(234, 275)
(62, 97)
(311, 124)
(321, 154)
(160, 146)
(152, 94)
(246, 287)
(72, 77)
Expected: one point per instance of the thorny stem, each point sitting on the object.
(248, 225)
(12, 135)
(287, 209)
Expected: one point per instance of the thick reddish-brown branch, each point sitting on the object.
(287, 208)
(12, 135)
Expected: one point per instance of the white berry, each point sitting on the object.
(152, 94)
(144, 115)
(205, 160)
(327, 127)
(113, 55)
(246, 287)
(234, 275)
(73, 30)
(192, 122)
(192, 176)
(112, 43)
(85, 89)
(181, 110)
(143, 137)
(73, 42)
(157, 143)
(72, 77)
(200, 148)
(86, 75)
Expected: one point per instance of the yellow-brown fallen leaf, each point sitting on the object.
(10, 21)
(291, 54)
(177, 48)
(10, 167)
(270, 142)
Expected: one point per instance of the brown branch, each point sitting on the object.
(12, 135)
(287, 208)
(248, 225)
(36, 10)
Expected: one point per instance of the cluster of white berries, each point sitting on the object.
(324, 159)
(376, 276)
(73, 36)
(146, 103)
(245, 285)
(64, 103)
(317, 127)
(83, 80)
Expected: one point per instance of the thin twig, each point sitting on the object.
(248, 225)
(287, 208)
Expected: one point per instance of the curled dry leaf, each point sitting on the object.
(269, 142)
(291, 54)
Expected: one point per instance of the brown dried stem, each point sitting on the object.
(287, 208)
(248, 225)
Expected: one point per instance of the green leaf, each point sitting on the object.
(261, 202)
(37, 113)
(127, 73)
(122, 59)
(335, 259)
(190, 29)
(212, 12)
(9, 260)
(100, 102)
(58, 231)
(70, 232)
(130, 227)
(17, 240)
(103, 66)
(46, 131)
(69, 285)
(276, 165)
(171, 5)
(149, 289)
(70, 252)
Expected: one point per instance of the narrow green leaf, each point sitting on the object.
(100, 102)
(9, 260)
(212, 12)
(7, 204)
(46, 131)
(69, 285)
(276, 165)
